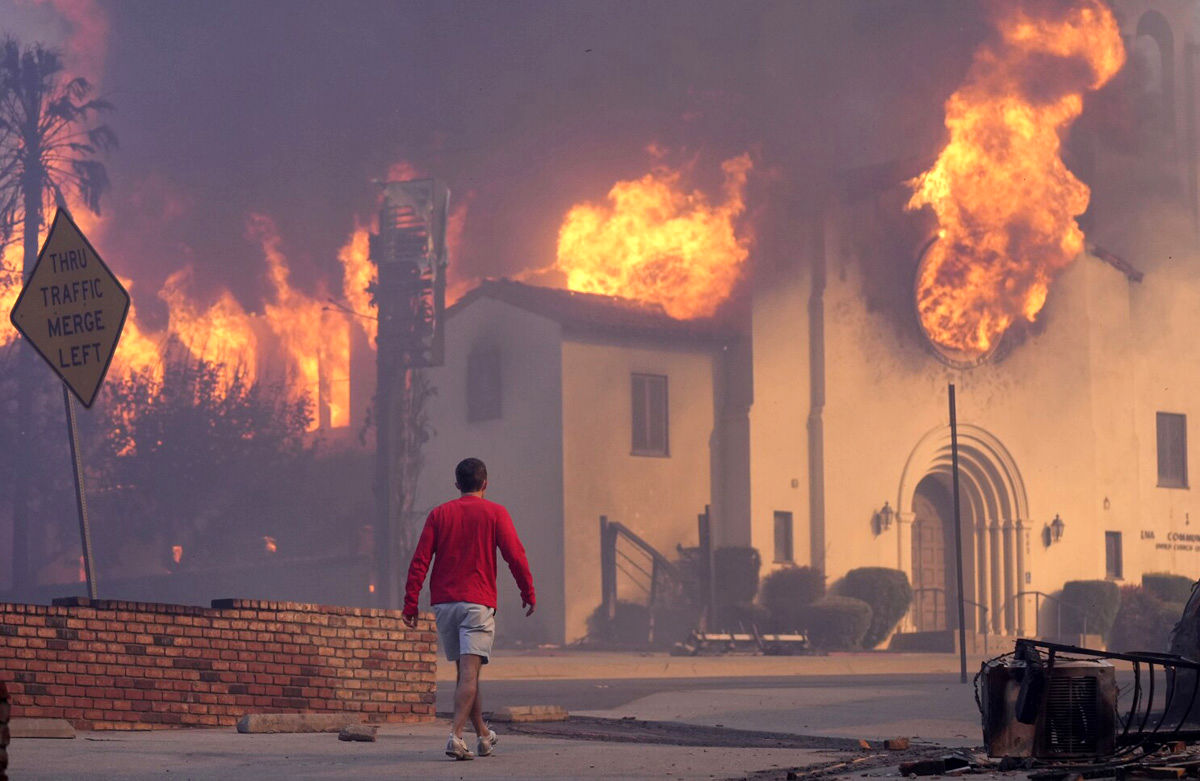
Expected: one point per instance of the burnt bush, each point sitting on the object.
(629, 627)
(1089, 606)
(888, 593)
(837, 623)
(1167, 587)
(742, 616)
(736, 574)
(1144, 622)
(786, 592)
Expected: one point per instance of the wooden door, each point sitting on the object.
(929, 564)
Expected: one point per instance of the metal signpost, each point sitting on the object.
(72, 309)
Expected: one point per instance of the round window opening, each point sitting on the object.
(933, 330)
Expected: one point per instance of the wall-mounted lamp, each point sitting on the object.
(1053, 531)
(883, 518)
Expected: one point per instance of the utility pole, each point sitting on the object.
(409, 253)
(958, 551)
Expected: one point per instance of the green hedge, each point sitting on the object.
(1144, 622)
(1089, 606)
(837, 623)
(888, 593)
(1168, 587)
(785, 593)
(736, 574)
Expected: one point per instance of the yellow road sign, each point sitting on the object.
(72, 309)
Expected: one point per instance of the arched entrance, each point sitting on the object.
(995, 522)
(932, 570)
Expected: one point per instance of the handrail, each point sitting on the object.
(1081, 610)
(646, 547)
(942, 591)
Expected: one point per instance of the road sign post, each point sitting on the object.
(71, 310)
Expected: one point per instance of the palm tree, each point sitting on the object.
(48, 148)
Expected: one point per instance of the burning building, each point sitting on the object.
(1008, 256)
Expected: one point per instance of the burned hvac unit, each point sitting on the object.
(1063, 709)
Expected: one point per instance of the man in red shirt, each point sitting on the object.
(461, 537)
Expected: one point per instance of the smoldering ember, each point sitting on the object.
(771, 389)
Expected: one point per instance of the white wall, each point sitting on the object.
(658, 498)
(522, 449)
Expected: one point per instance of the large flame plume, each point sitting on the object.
(656, 241)
(1005, 202)
(306, 340)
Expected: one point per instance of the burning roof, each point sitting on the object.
(591, 313)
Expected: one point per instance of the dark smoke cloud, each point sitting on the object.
(289, 109)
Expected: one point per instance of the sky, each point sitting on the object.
(291, 109)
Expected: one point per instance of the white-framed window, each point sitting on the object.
(1172, 450)
(651, 436)
(784, 553)
(483, 384)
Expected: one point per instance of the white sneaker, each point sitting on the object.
(457, 747)
(486, 743)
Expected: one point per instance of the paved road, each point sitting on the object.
(931, 707)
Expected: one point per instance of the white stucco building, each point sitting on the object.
(581, 406)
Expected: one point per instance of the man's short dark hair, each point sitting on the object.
(470, 475)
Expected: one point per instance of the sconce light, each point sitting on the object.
(883, 518)
(1053, 531)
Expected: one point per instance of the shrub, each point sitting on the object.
(736, 574)
(837, 623)
(1144, 622)
(630, 625)
(1167, 587)
(888, 593)
(785, 593)
(1090, 606)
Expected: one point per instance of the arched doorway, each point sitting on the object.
(995, 523)
(932, 569)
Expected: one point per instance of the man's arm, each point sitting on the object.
(416, 571)
(514, 555)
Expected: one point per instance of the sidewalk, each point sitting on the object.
(402, 751)
(547, 664)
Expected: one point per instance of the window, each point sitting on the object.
(1172, 450)
(650, 415)
(483, 384)
(783, 537)
(1114, 568)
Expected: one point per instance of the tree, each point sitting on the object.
(48, 149)
(204, 459)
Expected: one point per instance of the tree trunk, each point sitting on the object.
(22, 570)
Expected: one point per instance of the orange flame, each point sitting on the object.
(222, 333)
(357, 275)
(317, 340)
(177, 553)
(269, 545)
(10, 288)
(1005, 202)
(657, 242)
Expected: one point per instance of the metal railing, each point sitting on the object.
(918, 600)
(614, 559)
(1059, 602)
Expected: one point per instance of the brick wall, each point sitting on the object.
(102, 664)
(3, 731)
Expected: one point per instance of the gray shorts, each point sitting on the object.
(465, 628)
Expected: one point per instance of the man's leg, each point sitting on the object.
(481, 728)
(465, 691)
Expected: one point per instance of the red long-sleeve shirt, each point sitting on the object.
(461, 536)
